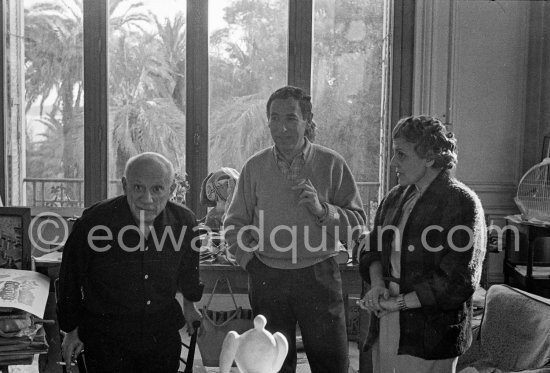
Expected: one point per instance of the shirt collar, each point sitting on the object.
(304, 152)
(422, 185)
(161, 220)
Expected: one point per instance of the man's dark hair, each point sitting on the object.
(304, 100)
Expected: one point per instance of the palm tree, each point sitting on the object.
(172, 39)
(239, 130)
(53, 54)
(148, 125)
(46, 149)
(243, 74)
(147, 103)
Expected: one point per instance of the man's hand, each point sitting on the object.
(308, 197)
(191, 315)
(71, 347)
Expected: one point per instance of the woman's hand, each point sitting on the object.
(372, 300)
(389, 305)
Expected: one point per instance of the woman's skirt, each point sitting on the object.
(384, 352)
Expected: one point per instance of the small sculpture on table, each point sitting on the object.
(254, 351)
(217, 191)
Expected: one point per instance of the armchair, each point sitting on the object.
(514, 334)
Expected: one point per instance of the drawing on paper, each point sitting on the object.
(24, 290)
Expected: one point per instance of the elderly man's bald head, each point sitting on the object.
(147, 158)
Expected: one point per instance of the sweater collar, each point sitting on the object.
(428, 188)
(304, 152)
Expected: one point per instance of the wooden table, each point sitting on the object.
(352, 284)
(351, 280)
(528, 235)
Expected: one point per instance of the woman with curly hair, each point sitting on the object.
(423, 258)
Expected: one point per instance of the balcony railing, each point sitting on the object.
(369, 191)
(62, 192)
(46, 192)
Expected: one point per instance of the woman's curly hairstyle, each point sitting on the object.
(431, 138)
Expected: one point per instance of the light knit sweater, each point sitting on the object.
(264, 218)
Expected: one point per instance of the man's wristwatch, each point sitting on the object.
(401, 302)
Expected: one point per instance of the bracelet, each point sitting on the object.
(401, 302)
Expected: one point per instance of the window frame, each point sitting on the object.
(3, 96)
(95, 23)
(96, 100)
(401, 82)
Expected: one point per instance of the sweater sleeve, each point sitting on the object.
(369, 246)
(462, 248)
(345, 210)
(241, 243)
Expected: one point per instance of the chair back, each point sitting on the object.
(190, 349)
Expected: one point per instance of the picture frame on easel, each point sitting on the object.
(15, 246)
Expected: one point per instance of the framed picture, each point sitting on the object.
(545, 147)
(15, 246)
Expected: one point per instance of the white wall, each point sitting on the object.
(471, 71)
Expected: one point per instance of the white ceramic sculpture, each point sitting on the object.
(254, 351)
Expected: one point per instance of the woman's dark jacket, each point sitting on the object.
(444, 276)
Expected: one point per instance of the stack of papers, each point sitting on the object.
(23, 296)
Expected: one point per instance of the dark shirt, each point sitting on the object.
(127, 285)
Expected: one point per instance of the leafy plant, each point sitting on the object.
(182, 187)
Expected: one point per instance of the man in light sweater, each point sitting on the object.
(293, 203)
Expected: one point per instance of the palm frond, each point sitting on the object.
(154, 125)
(238, 130)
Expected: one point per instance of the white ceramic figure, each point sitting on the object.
(254, 351)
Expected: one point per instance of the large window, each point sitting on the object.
(45, 103)
(146, 86)
(138, 88)
(248, 58)
(347, 86)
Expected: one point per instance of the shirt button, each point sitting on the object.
(146, 277)
(148, 302)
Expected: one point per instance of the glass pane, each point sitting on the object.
(248, 54)
(347, 86)
(146, 83)
(45, 116)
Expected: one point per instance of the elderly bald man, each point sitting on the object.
(122, 265)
